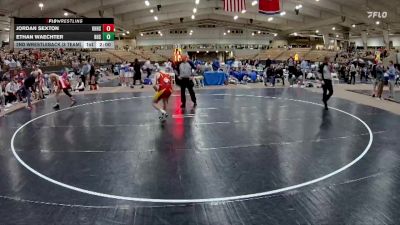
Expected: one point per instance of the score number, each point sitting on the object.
(108, 32)
(108, 28)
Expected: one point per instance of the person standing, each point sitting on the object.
(85, 73)
(353, 71)
(380, 77)
(147, 66)
(392, 78)
(326, 81)
(304, 70)
(292, 69)
(137, 73)
(185, 77)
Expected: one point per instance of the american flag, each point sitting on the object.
(234, 5)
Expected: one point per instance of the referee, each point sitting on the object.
(326, 80)
(186, 81)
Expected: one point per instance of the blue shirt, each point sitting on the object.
(392, 72)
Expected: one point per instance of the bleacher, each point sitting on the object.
(148, 54)
(302, 52)
(318, 55)
(272, 53)
(103, 56)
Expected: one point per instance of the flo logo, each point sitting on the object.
(380, 15)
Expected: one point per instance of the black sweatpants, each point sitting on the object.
(327, 87)
(187, 83)
(352, 77)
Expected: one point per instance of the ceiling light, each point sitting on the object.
(377, 22)
(282, 13)
(226, 51)
(243, 11)
(295, 34)
(151, 10)
(236, 17)
(353, 25)
(7, 28)
(66, 14)
(317, 31)
(224, 33)
(333, 28)
(194, 10)
(270, 19)
(127, 31)
(317, 0)
(259, 32)
(255, 2)
(155, 17)
(191, 31)
(197, 2)
(216, 51)
(337, 35)
(193, 17)
(41, 5)
(229, 31)
(147, 3)
(299, 6)
(190, 34)
(206, 51)
(252, 34)
(198, 52)
(161, 34)
(123, 34)
(141, 34)
(275, 34)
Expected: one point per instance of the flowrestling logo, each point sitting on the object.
(380, 15)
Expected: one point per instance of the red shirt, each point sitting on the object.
(164, 82)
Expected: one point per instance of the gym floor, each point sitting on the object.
(249, 156)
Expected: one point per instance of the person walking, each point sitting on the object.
(326, 80)
(186, 81)
(28, 87)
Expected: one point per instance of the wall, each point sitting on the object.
(4, 36)
(279, 43)
(376, 41)
(122, 43)
(204, 36)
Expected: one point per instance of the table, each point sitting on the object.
(214, 78)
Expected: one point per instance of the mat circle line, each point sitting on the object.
(203, 200)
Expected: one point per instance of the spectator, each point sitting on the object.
(380, 77)
(85, 72)
(392, 78)
(353, 71)
(11, 92)
(80, 86)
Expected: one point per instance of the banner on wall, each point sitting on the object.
(177, 54)
(269, 6)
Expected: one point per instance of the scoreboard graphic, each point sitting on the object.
(64, 33)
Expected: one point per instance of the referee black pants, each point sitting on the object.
(327, 87)
(187, 83)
